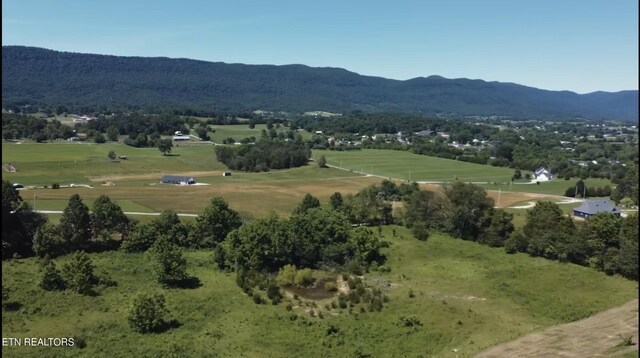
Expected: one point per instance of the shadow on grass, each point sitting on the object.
(12, 306)
(171, 155)
(188, 283)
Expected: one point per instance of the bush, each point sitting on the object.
(304, 278)
(330, 286)
(147, 313)
(104, 279)
(286, 275)
(51, 278)
(169, 265)
(78, 273)
(55, 186)
(257, 299)
(273, 292)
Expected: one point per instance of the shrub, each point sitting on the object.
(411, 294)
(304, 278)
(103, 278)
(51, 278)
(330, 286)
(411, 321)
(273, 292)
(55, 186)
(147, 313)
(169, 265)
(78, 273)
(257, 299)
(286, 275)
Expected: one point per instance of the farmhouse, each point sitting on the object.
(594, 207)
(542, 174)
(176, 179)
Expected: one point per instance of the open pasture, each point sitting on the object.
(414, 167)
(66, 163)
(241, 131)
(408, 166)
(468, 297)
(553, 187)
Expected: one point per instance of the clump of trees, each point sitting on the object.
(604, 242)
(464, 211)
(19, 223)
(80, 229)
(581, 190)
(264, 155)
(77, 275)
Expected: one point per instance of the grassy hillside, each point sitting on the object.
(467, 296)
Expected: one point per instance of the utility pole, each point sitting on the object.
(499, 192)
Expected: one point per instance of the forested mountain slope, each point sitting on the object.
(46, 77)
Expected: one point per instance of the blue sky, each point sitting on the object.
(581, 45)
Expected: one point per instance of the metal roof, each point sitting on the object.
(177, 178)
(597, 206)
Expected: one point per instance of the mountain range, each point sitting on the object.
(40, 76)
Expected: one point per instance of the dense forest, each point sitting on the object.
(41, 77)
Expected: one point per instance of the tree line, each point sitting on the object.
(264, 155)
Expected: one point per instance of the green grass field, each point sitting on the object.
(409, 166)
(241, 131)
(467, 296)
(65, 163)
(554, 187)
(136, 180)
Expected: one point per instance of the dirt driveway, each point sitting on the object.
(596, 336)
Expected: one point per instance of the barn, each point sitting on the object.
(593, 207)
(176, 179)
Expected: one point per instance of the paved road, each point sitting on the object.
(126, 213)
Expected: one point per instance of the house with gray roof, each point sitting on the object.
(593, 207)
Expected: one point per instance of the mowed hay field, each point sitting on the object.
(135, 183)
(409, 166)
(66, 163)
(553, 187)
(468, 297)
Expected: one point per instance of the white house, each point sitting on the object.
(542, 174)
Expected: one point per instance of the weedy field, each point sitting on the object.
(462, 297)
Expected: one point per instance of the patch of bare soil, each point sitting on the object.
(601, 335)
(509, 198)
(317, 292)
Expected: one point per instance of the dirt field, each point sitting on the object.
(598, 336)
(506, 199)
